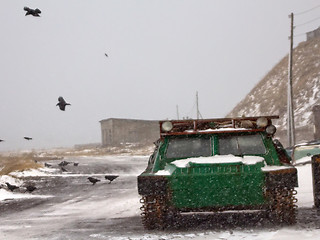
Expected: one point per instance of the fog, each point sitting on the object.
(160, 53)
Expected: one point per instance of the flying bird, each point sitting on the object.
(93, 180)
(33, 12)
(1, 140)
(106, 55)
(11, 187)
(62, 103)
(30, 188)
(111, 177)
(28, 138)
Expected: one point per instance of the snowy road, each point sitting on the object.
(67, 206)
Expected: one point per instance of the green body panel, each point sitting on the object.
(208, 185)
(216, 190)
(201, 186)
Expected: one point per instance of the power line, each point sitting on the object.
(299, 35)
(305, 23)
(306, 11)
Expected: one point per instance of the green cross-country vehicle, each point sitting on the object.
(216, 165)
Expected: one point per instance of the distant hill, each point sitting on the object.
(269, 96)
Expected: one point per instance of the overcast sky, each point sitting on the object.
(160, 54)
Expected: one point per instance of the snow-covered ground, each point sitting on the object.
(83, 211)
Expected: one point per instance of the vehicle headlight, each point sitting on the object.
(262, 122)
(167, 126)
(271, 130)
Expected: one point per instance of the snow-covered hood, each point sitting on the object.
(217, 159)
(247, 160)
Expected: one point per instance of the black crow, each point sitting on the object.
(1, 140)
(11, 187)
(28, 138)
(93, 180)
(63, 169)
(30, 188)
(75, 164)
(63, 163)
(47, 165)
(62, 103)
(106, 55)
(33, 12)
(111, 177)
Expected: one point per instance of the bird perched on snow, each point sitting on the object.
(33, 12)
(63, 169)
(62, 103)
(47, 165)
(28, 138)
(11, 187)
(111, 177)
(93, 180)
(63, 163)
(30, 188)
(76, 164)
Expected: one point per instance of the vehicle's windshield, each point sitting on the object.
(241, 145)
(188, 147)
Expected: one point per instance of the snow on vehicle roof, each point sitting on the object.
(227, 129)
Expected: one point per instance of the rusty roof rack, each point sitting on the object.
(193, 126)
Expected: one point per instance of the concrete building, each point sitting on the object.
(115, 131)
(313, 34)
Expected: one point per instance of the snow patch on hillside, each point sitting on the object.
(269, 96)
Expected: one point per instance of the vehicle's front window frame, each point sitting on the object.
(187, 152)
(241, 140)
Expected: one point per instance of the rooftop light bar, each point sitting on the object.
(207, 125)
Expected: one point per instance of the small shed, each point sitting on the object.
(116, 131)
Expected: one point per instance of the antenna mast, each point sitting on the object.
(177, 112)
(197, 102)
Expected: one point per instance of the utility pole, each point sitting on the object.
(290, 113)
(177, 112)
